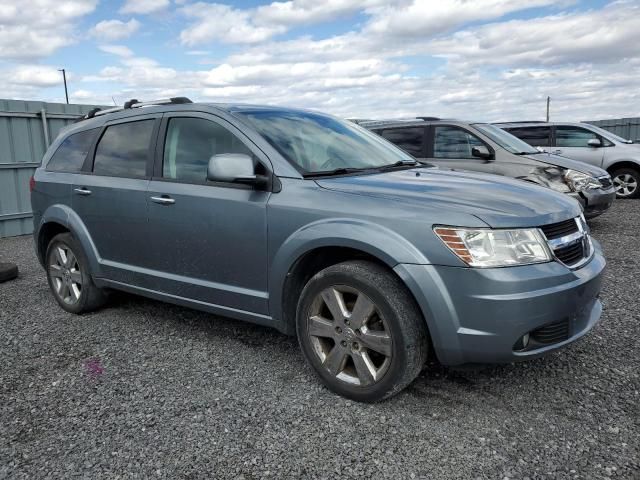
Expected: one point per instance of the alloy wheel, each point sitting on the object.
(64, 271)
(625, 184)
(349, 335)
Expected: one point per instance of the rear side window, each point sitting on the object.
(454, 142)
(71, 153)
(411, 140)
(123, 149)
(573, 137)
(534, 136)
(191, 142)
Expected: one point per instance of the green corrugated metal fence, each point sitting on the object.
(628, 128)
(26, 130)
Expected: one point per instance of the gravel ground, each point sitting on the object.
(145, 389)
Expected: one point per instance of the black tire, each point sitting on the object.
(90, 297)
(8, 271)
(395, 311)
(626, 173)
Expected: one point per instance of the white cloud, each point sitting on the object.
(37, 28)
(224, 23)
(119, 50)
(33, 76)
(425, 18)
(597, 36)
(144, 6)
(111, 30)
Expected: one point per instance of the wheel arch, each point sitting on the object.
(312, 249)
(633, 164)
(59, 219)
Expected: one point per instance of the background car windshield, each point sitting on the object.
(317, 143)
(505, 139)
(608, 134)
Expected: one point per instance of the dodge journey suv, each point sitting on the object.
(587, 143)
(319, 228)
(483, 147)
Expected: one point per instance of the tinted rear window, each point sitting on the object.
(123, 149)
(411, 140)
(534, 136)
(71, 153)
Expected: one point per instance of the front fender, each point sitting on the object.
(65, 216)
(373, 239)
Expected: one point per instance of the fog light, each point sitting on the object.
(522, 343)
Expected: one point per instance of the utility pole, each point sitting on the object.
(64, 77)
(548, 103)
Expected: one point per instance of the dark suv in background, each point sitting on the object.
(312, 225)
(482, 147)
(586, 143)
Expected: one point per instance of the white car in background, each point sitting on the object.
(589, 144)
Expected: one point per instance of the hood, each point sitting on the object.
(565, 162)
(498, 201)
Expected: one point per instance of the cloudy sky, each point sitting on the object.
(480, 59)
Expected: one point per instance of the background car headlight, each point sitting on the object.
(579, 181)
(495, 248)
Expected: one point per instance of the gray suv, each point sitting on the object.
(586, 143)
(316, 227)
(483, 147)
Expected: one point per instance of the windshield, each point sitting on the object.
(608, 134)
(507, 141)
(316, 143)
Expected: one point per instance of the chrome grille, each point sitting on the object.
(569, 241)
(560, 229)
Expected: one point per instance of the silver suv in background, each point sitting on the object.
(586, 143)
(482, 147)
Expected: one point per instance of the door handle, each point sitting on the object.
(82, 191)
(163, 200)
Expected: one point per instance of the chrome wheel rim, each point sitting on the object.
(64, 271)
(349, 336)
(625, 184)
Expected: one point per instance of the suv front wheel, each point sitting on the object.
(626, 182)
(361, 331)
(69, 278)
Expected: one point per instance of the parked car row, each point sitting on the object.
(482, 147)
(322, 229)
(589, 144)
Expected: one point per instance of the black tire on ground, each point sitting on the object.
(402, 319)
(8, 271)
(91, 297)
(628, 173)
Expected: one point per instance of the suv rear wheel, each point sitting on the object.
(361, 331)
(69, 278)
(626, 182)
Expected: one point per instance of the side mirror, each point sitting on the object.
(594, 142)
(234, 168)
(482, 152)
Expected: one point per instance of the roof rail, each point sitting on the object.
(520, 121)
(134, 103)
(428, 119)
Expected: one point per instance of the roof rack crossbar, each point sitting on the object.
(134, 103)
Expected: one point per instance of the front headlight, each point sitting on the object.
(495, 248)
(579, 181)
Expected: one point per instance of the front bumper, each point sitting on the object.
(478, 315)
(595, 202)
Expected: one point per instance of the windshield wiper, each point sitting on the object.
(533, 152)
(399, 163)
(337, 171)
